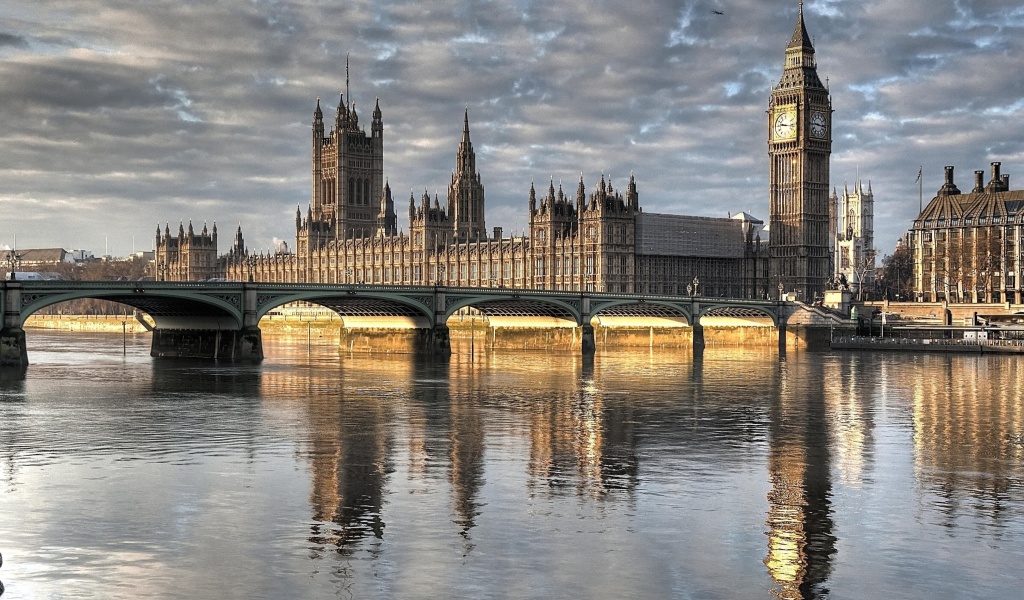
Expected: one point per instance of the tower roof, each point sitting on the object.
(800, 38)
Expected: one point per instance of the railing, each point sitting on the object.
(303, 287)
(896, 341)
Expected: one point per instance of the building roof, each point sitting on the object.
(684, 235)
(37, 255)
(943, 209)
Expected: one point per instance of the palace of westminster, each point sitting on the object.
(964, 246)
(595, 239)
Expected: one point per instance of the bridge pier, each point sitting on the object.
(698, 338)
(782, 338)
(13, 352)
(588, 347)
(245, 344)
(435, 341)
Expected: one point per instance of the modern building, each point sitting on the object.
(968, 247)
(799, 149)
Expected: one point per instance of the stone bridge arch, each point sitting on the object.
(361, 303)
(513, 305)
(737, 310)
(642, 307)
(169, 308)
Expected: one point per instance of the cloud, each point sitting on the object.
(129, 114)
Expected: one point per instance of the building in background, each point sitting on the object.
(595, 241)
(968, 247)
(188, 256)
(854, 237)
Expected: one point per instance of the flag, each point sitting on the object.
(918, 180)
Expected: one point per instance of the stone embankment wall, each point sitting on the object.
(805, 326)
(936, 312)
(91, 323)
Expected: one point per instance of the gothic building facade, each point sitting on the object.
(187, 255)
(852, 225)
(598, 239)
(799, 149)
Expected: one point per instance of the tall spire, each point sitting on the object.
(346, 58)
(800, 38)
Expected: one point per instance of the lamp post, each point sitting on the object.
(13, 262)
(696, 286)
(782, 288)
(162, 268)
(250, 262)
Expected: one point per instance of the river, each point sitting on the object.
(637, 474)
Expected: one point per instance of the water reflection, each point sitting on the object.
(968, 422)
(644, 474)
(349, 441)
(801, 542)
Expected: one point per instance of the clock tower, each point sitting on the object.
(799, 146)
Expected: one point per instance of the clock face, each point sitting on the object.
(819, 125)
(784, 127)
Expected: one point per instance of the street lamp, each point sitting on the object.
(782, 288)
(13, 262)
(250, 262)
(162, 268)
(696, 286)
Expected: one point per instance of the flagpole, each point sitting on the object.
(920, 191)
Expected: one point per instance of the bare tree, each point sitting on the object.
(898, 272)
(863, 266)
(951, 264)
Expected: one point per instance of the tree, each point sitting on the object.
(864, 265)
(898, 272)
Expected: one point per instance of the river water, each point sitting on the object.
(638, 474)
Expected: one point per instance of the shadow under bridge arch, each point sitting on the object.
(361, 309)
(169, 309)
(641, 313)
(502, 310)
(737, 315)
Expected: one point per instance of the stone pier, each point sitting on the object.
(13, 352)
(242, 345)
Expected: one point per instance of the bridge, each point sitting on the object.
(220, 320)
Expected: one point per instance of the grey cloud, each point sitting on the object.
(12, 40)
(664, 89)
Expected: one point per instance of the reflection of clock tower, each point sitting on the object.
(799, 145)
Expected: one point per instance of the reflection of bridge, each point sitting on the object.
(220, 319)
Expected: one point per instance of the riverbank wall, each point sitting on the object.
(365, 339)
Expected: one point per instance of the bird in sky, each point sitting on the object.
(718, 12)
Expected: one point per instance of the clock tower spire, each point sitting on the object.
(799, 148)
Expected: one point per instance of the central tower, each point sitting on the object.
(799, 147)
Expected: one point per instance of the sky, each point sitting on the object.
(120, 115)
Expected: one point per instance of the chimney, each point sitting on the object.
(1006, 183)
(949, 188)
(497, 234)
(979, 182)
(997, 181)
